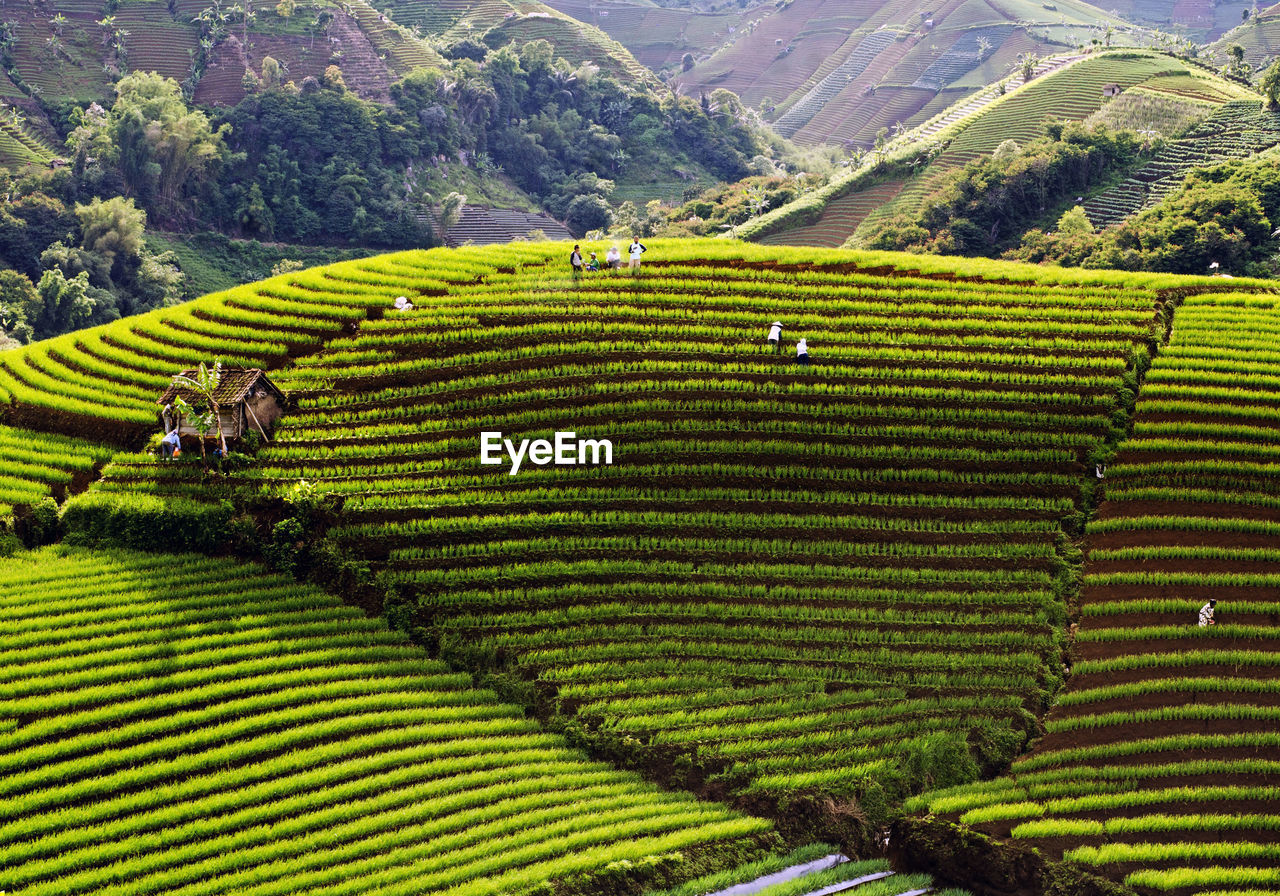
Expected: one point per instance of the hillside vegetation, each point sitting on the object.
(1158, 763)
(180, 725)
(849, 581)
(923, 165)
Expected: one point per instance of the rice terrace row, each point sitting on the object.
(812, 593)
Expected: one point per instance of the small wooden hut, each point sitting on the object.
(1111, 90)
(247, 402)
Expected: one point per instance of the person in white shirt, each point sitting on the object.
(613, 258)
(775, 336)
(1206, 614)
(637, 249)
(802, 352)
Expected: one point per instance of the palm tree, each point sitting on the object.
(204, 384)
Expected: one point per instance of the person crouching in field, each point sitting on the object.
(613, 258)
(1206, 614)
(802, 352)
(171, 445)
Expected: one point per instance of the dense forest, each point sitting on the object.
(314, 163)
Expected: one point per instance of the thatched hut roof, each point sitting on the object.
(235, 384)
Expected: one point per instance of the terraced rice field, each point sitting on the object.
(1236, 131)
(36, 465)
(790, 580)
(1159, 763)
(840, 218)
(888, 516)
(1071, 92)
(19, 147)
(403, 51)
(180, 725)
(103, 382)
(1260, 38)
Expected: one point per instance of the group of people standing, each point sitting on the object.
(612, 258)
(775, 340)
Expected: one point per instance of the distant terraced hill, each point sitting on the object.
(1237, 130)
(62, 46)
(1260, 38)
(1066, 88)
(839, 72)
(659, 36)
(1199, 20)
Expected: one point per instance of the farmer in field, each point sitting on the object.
(1206, 614)
(575, 262)
(613, 258)
(802, 352)
(637, 249)
(775, 336)
(594, 264)
(170, 445)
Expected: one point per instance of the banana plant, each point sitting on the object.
(204, 384)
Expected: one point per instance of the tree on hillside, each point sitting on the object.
(124, 278)
(451, 210)
(1270, 85)
(113, 229)
(63, 304)
(18, 301)
(165, 152)
(1236, 67)
(29, 223)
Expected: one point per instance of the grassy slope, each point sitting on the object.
(183, 725)
(963, 405)
(1073, 92)
(1166, 734)
(212, 262)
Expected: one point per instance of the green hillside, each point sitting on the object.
(1259, 37)
(973, 129)
(808, 592)
(68, 49)
(1160, 762)
(177, 724)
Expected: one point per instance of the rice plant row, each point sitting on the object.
(36, 465)
(1166, 732)
(178, 724)
(888, 515)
